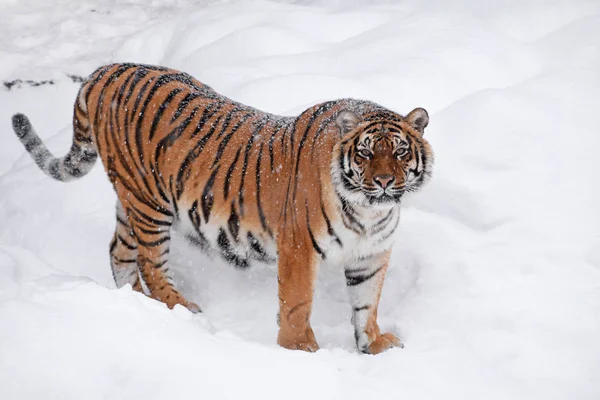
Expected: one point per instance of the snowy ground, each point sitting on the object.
(494, 285)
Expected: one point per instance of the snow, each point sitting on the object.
(494, 284)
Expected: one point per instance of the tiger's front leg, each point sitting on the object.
(297, 270)
(365, 281)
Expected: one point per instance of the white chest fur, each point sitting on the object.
(362, 233)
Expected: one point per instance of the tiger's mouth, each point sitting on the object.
(384, 198)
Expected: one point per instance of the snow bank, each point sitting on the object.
(494, 284)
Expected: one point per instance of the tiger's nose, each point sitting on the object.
(384, 180)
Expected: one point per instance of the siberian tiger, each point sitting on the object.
(248, 185)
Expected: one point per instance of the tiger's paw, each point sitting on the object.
(175, 298)
(382, 343)
(193, 307)
(304, 342)
(305, 345)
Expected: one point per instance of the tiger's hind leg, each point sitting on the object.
(124, 253)
(152, 233)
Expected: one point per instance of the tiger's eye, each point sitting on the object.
(401, 153)
(365, 153)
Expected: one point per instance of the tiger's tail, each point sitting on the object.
(76, 163)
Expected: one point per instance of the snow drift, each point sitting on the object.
(494, 284)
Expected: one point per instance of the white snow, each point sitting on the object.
(494, 285)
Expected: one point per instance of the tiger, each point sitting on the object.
(248, 186)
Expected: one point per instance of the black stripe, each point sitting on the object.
(208, 197)
(183, 105)
(312, 237)
(184, 172)
(198, 240)
(111, 121)
(113, 245)
(125, 260)
(161, 81)
(112, 77)
(120, 155)
(283, 142)
(274, 132)
(261, 213)
(321, 128)
(120, 102)
(173, 200)
(138, 98)
(144, 201)
(88, 156)
(114, 116)
(347, 212)
(99, 74)
(148, 220)
(140, 73)
(359, 309)
(234, 223)
(354, 280)
(80, 137)
(125, 243)
(317, 113)
(194, 217)
(223, 144)
(297, 307)
(152, 231)
(226, 121)
(371, 131)
(345, 156)
(162, 146)
(390, 233)
(382, 114)
(255, 133)
(227, 252)
(382, 223)
(354, 138)
(257, 248)
(207, 113)
(122, 221)
(152, 67)
(155, 243)
(161, 109)
(330, 230)
(287, 199)
(227, 183)
(159, 265)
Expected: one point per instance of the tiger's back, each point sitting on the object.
(189, 153)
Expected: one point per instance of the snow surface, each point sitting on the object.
(494, 284)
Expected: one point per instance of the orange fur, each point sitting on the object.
(247, 185)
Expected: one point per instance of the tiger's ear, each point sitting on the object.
(418, 119)
(347, 121)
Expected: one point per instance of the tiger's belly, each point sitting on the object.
(238, 244)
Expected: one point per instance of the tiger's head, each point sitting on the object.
(381, 158)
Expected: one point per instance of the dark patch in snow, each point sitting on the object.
(18, 83)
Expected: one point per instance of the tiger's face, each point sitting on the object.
(381, 159)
